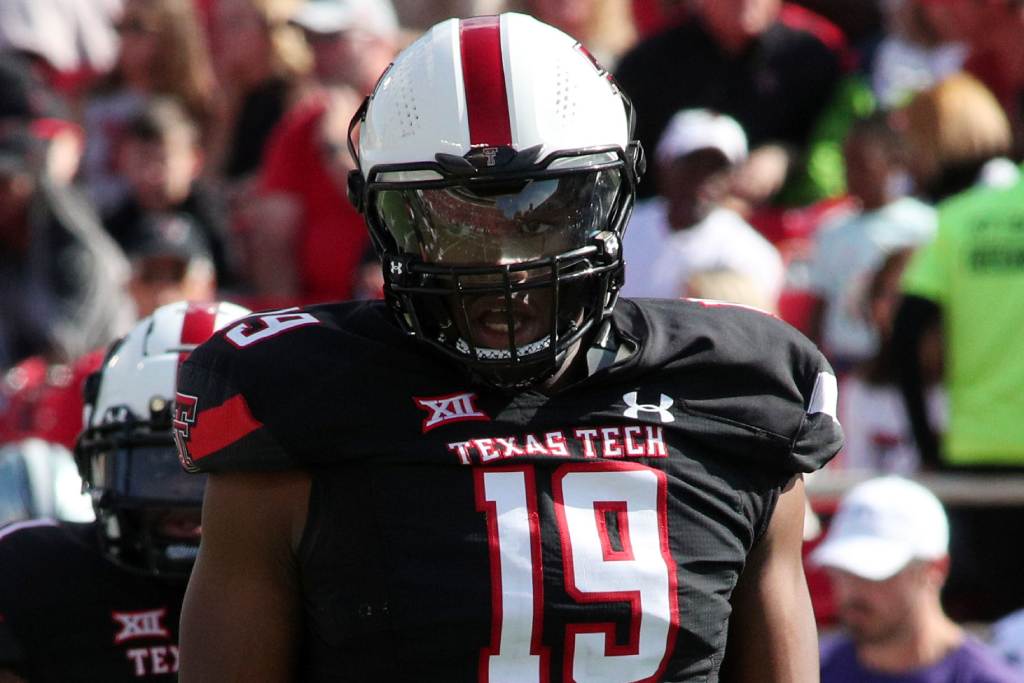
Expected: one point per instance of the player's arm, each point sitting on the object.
(240, 620)
(772, 634)
(8, 676)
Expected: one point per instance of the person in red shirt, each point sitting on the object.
(305, 242)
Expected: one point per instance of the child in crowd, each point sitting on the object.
(878, 434)
(161, 159)
(850, 248)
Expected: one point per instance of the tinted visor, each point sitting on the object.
(147, 475)
(499, 223)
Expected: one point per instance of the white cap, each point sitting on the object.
(376, 17)
(693, 129)
(881, 525)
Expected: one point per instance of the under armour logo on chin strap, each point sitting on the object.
(635, 408)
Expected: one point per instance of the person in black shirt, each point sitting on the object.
(741, 58)
(502, 472)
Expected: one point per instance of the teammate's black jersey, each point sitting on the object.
(69, 614)
(457, 533)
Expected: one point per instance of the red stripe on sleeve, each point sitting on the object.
(217, 428)
(483, 77)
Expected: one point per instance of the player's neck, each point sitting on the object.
(915, 648)
(606, 349)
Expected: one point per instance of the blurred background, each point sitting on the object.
(851, 166)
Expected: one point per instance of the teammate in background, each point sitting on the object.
(887, 556)
(502, 472)
(100, 601)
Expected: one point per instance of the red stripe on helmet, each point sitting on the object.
(483, 77)
(197, 327)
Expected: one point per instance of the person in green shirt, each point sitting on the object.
(971, 277)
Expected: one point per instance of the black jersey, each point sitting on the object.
(67, 613)
(457, 533)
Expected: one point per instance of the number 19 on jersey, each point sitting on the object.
(612, 526)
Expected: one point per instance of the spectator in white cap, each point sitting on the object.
(353, 41)
(687, 229)
(886, 552)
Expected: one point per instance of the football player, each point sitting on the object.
(101, 601)
(502, 472)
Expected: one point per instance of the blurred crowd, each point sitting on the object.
(851, 166)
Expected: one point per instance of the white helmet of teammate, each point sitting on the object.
(497, 170)
(126, 454)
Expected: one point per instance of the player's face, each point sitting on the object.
(518, 224)
(487, 317)
(877, 612)
(178, 524)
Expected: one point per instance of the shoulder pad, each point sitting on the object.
(263, 393)
(748, 369)
(215, 428)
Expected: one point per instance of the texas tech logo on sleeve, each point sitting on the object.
(184, 419)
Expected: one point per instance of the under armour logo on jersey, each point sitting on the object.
(453, 408)
(148, 624)
(634, 409)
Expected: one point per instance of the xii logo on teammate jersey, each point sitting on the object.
(148, 624)
(443, 410)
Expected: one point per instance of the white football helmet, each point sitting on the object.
(126, 454)
(497, 170)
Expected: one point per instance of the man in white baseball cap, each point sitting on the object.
(692, 129)
(886, 552)
(688, 229)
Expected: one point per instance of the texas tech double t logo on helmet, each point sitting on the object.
(497, 172)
